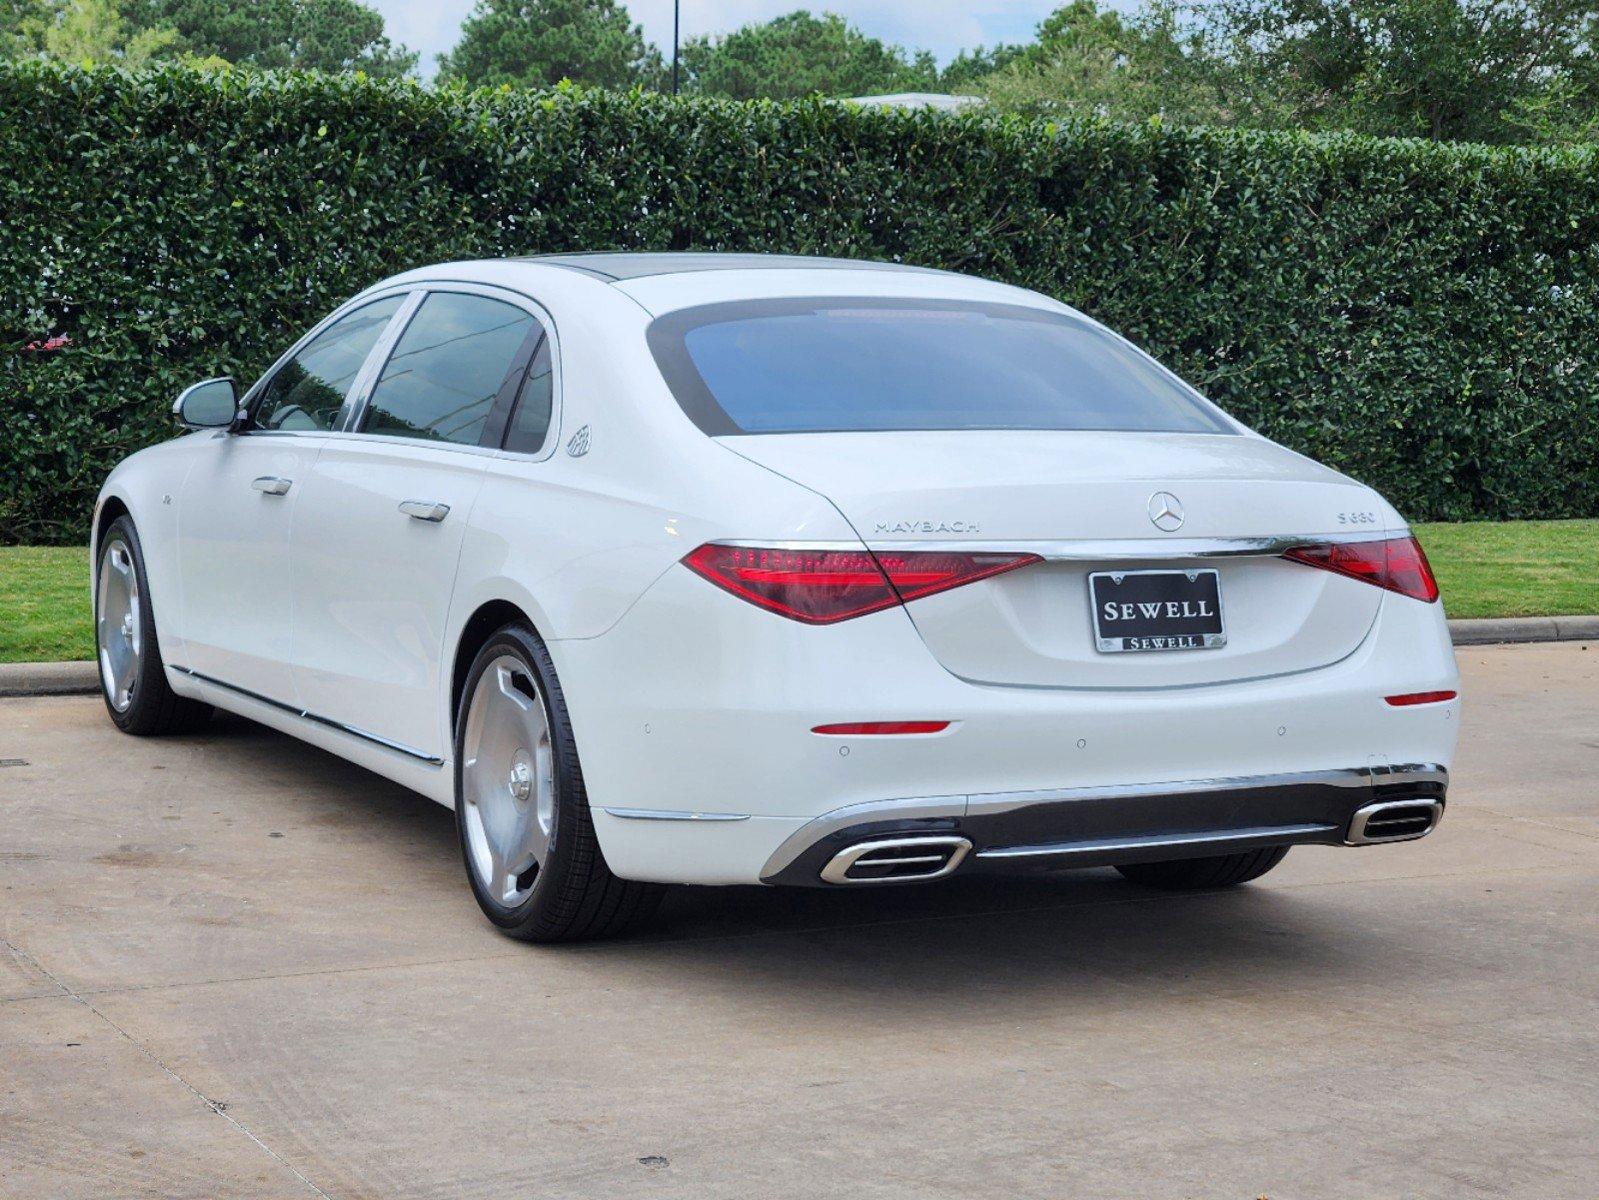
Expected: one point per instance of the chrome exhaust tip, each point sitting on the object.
(1394, 821)
(897, 860)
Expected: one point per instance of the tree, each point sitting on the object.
(317, 35)
(79, 31)
(538, 43)
(970, 66)
(1479, 70)
(1154, 64)
(801, 54)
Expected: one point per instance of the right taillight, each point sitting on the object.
(1397, 564)
(821, 587)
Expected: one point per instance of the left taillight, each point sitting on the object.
(1397, 564)
(821, 587)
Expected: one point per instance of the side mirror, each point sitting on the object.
(213, 404)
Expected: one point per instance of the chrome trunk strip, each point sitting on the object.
(1091, 550)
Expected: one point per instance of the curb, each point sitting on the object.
(83, 678)
(49, 679)
(1489, 631)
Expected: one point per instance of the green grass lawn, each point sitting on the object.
(1486, 569)
(44, 604)
(1515, 568)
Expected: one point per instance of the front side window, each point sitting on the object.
(306, 393)
(448, 368)
(836, 365)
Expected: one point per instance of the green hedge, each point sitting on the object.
(1423, 316)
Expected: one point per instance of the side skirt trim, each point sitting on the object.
(328, 722)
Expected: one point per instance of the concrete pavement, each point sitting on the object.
(234, 966)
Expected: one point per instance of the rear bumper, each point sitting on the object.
(1087, 827)
(696, 715)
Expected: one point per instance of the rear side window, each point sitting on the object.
(530, 420)
(826, 365)
(307, 392)
(448, 368)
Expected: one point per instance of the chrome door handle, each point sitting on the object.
(424, 510)
(272, 485)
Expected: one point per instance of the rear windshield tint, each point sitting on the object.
(832, 365)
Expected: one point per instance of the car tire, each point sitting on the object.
(527, 840)
(133, 678)
(1198, 874)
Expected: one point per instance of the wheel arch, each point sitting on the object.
(489, 616)
(111, 507)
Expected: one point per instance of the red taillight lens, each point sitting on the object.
(820, 587)
(1409, 698)
(881, 728)
(1397, 564)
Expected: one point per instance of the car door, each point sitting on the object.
(237, 504)
(378, 530)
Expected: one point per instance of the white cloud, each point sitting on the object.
(943, 26)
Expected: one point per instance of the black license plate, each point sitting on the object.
(1156, 610)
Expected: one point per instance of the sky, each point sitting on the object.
(943, 26)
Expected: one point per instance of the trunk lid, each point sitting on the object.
(1083, 501)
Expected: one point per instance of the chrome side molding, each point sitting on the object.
(327, 722)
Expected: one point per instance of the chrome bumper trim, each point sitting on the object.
(996, 803)
(1269, 835)
(837, 870)
(668, 814)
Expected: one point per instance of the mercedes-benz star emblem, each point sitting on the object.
(1166, 511)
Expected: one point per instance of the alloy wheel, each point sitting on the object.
(118, 624)
(508, 781)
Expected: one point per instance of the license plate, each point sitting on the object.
(1156, 610)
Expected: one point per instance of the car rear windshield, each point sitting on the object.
(830, 365)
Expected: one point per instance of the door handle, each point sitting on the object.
(424, 510)
(272, 485)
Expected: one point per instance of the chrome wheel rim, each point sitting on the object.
(507, 781)
(118, 624)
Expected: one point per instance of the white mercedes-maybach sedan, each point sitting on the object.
(733, 569)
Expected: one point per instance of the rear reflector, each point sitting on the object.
(1396, 564)
(1410, 698)
(821, 587)
(879, 728)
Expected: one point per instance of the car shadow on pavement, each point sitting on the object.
(933, 944)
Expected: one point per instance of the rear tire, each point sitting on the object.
(133, 679)
(527, 840)
(1197, 874)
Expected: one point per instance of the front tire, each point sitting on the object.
(528, 842)
(1198, 874)
(133, 679)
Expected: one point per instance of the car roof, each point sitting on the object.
(615, 265)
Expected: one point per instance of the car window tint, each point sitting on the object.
(307, 392)
(800, 366)
(530, 423)
(447, 368)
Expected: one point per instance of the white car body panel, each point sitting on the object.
(693, 710)
(232, 554)
(372, 585)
